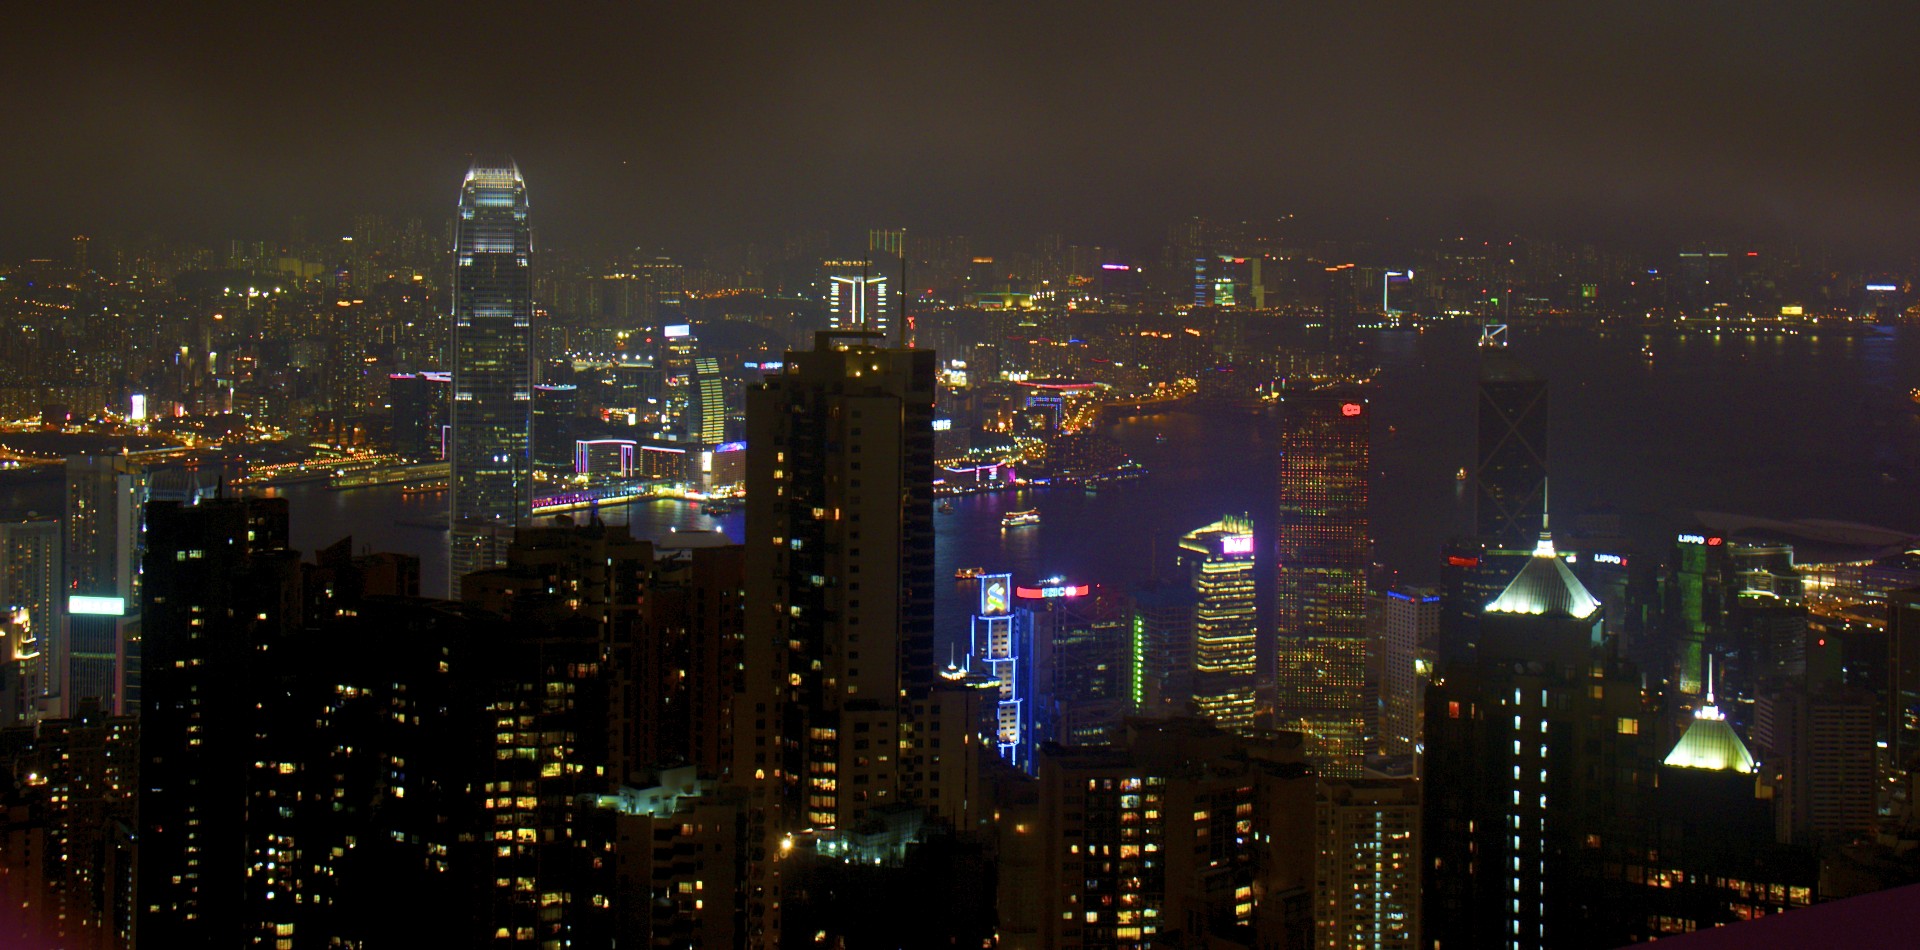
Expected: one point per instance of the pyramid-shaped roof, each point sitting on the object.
(1710, 743)
(1545, 587)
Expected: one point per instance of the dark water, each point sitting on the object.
(1787, 427)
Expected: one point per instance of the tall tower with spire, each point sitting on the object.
(492, 357)
(1540, 747)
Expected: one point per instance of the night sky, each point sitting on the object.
(688, 122)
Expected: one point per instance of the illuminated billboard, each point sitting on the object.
(994, 591)
(1237, 544)
(677, 330)
(80, 605)
(1049, 591)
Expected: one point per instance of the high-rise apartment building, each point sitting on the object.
(1367, 870)
(1320, 554)
(839, 579)
(1818, 745)
(99, 648)
(1411, 628)
(32, 592)
(1182, 834)
(492, 414)
(221, 591)
(1219, 560)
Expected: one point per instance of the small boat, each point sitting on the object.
(1461, 475)
(1159, 437)
(1092, 489)
(716, 508)
(1646, 351)
(946, 507)
(1017, 519)
(968, 573)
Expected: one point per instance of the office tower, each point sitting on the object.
(1002, 651)
(1367, 868)
(1180, 835)
(1902, 690)
(554, 408)
(839, 640)
(1320, 557)
(1818, 745)
(1539, 755)
(857, 297)
(1082, 648)
(31, 590)
(1412, 626)
(105, 494)
(1718, 861)
(417, 415)
(1219, 562)
(221, 592)
(1160, 667)
(492, 414)
(706, 421)
(1510, 476)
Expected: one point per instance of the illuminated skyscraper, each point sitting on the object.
(1412, 626)
(1001, 649)
(707, 403)
(1367, 866)
(1320, 556)
(492, 414)
(104, 539)
(839, 583)
(857, 297)
(31, 582)
(1219, 563)
(1540, 753)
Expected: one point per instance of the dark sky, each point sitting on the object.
(683, 122)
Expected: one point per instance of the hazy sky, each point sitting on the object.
(681, 122)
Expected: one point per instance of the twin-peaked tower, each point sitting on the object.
(492, 358)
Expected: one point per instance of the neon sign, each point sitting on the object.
(1610, 559)
(1237, 544)
(1350, 409)
(1052, 591)
(993, 594)
(1692, 539)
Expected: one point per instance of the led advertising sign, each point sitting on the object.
(1350, 409)
(994, 589)
(1051, 591)
(1237, 544)
(1692, 539)
(80, 605)
(677, 330)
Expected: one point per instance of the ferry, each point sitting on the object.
(968, 573)
(716, 508)
(1015, 519)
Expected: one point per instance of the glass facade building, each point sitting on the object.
(492, 413)
(1320, 556)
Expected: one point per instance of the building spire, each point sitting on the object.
(1545, 547)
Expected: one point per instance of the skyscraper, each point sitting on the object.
(1511, 472)
(1320, 552)
(492, 415)
(31, 582)
(839, 582)
(1219, 562)
(104, 539)
(1539, 755)
(1412, 626)
(857, 297)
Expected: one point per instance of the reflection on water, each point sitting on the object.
(1777, 426)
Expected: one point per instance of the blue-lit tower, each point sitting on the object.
(1002, 639)
(492, 414)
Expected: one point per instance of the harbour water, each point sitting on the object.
(1778, 426)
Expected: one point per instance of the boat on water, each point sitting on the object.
(1461, 475)
(717, 508)
(968, 573)
(1016, 519)
(946, 507)
(1159, 437)
(1646, 351)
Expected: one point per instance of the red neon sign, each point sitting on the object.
(1045, 593)
(1455, 560)
(1350, 409)
(1713, 542)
